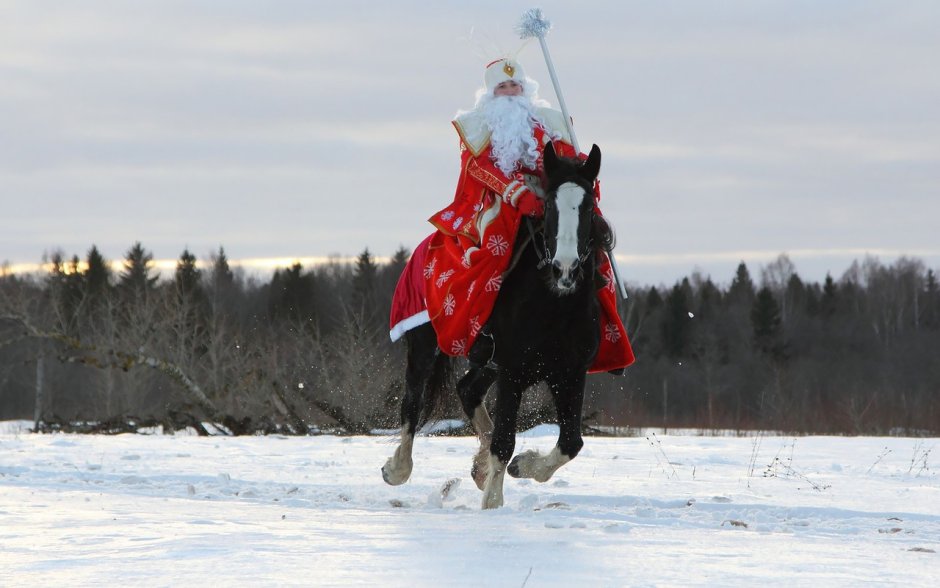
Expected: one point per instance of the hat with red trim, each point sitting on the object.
(502, 70)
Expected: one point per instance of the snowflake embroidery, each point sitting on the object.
(448, 215)
(449, 303)
(478, 206)
(498, 245)
(612, 333)
(610, 279)
(475, 326)
(442, 279)
(458, 222)
(493, 284)
(458, 347)
(429, 269)
(470, 289)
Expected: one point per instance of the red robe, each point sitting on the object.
(472, 248)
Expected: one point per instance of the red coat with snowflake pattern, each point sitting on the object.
(469, 254)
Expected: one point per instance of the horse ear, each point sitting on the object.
(592, 167)
(549, 158)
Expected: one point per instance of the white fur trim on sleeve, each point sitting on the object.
(511, 189)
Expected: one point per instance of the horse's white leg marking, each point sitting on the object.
(483, 425)
(532, 464)
(397, 469)
(493, 492)
(569, 197)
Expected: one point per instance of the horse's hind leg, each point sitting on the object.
(568, 396)
(422, 349)
(472, 389)
(509, 394)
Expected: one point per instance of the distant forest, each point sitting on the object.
(84, 348)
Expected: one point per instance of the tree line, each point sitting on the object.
(86, 348)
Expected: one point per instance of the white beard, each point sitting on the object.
(511, 120)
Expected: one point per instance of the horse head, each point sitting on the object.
(569, 216)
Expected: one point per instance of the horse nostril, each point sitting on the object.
(574, 264)
(556, 264)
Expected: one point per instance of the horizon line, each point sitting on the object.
(266, 265)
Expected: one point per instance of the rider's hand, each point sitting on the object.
(518, 194)
(531, 205)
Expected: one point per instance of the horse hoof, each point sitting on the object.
(514, 468)
(393, 478)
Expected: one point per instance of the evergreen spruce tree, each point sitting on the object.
(364, 282)
(221, 278)
(399, 260)
(653, 300)
(292, 294)
(677, 324)
(136, 280)
(741, 292)
(221, 290)
(189, 310)
(387, 281)
(64, 288)
(97, 276)
(829, 302)
(794, 298)
(709, 298)
(74, 290)
(186, 278)
(931, 301)
(765, 318)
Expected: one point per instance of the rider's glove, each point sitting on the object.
(518, 194)
(530, 204)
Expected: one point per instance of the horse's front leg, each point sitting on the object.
(503, 443)
(568, 394)
(472, 390)
(397, 468)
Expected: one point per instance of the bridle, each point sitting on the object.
(543, 254)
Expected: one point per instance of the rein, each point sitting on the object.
(543, 259)
(517, 254)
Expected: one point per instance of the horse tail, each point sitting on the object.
(441, 380)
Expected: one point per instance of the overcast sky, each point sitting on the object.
(290, 129)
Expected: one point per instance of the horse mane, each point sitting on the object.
(603, 234)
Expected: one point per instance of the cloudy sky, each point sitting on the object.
(295, 129)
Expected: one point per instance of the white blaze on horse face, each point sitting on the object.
(568, 200)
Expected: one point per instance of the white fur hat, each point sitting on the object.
(502, 70)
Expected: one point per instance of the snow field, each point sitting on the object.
(313, 511)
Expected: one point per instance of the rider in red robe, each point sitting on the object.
(501, 141)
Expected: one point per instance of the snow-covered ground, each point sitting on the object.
(313, 511)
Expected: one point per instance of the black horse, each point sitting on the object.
(544, 327)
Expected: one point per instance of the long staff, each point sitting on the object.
(534, 24)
